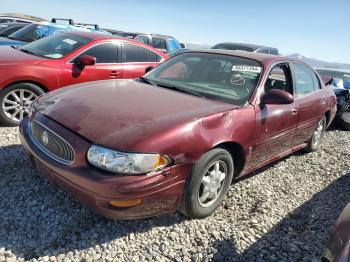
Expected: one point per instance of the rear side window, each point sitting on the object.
(158, 43)
(104, 53)
(306, 80)
(133, 54)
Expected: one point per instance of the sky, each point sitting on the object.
(314, 28)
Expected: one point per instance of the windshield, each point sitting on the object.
(219, 77)
(33, 32)
(55, 46)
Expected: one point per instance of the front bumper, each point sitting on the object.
(160, 193)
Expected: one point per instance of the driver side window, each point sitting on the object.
(279, 78)
(104, 53)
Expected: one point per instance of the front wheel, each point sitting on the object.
(315, 141)
(15, 101)
(208, 184)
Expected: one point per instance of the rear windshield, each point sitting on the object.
(55, 46)
(214, 76)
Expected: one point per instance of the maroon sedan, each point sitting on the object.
(66, 59)
(177, 137)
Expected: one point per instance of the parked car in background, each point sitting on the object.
(176, 137)
(19, 18)
(7, 29)
(40, 30)
(341, 87)
(65, 59)
(162, 42)
(247, 48)
(338, 247)
(130, 35)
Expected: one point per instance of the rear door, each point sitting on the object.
(135, 59)
(309, 99)
(275, 124)
(106, 66)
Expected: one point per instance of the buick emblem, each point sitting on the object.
(45, 138)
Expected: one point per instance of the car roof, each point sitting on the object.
(262, 58)
(96, 36)
(334, 70)
(253, 46)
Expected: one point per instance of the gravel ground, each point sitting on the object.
(281, 213)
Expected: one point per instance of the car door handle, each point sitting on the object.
(294, 111)
(114, 73)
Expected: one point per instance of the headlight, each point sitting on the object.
(126, 163)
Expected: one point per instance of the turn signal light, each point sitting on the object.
(126, 203)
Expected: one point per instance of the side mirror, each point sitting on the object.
(277, 97)
(86, 60)
(149, 68)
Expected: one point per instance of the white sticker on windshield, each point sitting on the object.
(69, 41)
(246, 68)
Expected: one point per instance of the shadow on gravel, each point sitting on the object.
(301, 236)
(37, 219)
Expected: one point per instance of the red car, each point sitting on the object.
(65, 59)
(176, 138)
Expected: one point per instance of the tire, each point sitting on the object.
(193, 203)
(12, 108)
(315, 141)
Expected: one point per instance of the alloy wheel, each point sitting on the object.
(16, 103)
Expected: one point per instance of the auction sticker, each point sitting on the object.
(246, 68)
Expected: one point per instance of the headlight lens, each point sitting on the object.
(126, 163)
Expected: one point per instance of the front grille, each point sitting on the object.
(50, 143)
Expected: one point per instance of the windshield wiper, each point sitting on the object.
(27, 51)
(146, 80)
(178, 89)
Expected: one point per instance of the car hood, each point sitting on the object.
(9, 55)
(119, 114)
(4, 41)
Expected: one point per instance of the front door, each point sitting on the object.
(106, 66)
(275, 124)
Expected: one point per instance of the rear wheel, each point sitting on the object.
(208, 184)
(15, 101)
(315, 141)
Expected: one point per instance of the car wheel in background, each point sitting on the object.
(315, 141)
(208, 184)
(15, 101)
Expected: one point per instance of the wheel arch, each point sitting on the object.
(237, 152)
(43, 87)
